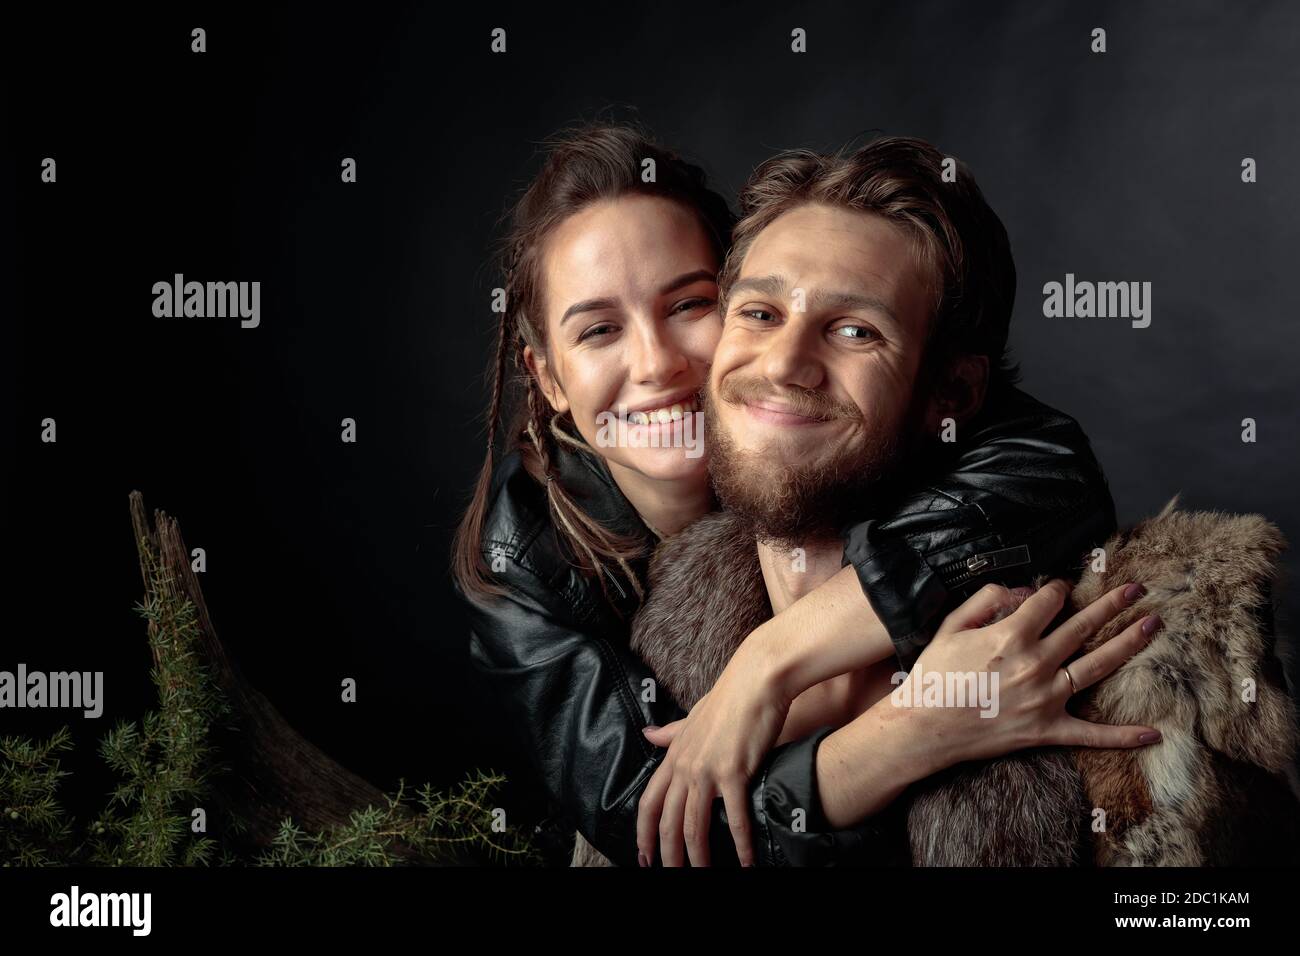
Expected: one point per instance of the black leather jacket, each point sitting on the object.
(1020, 495)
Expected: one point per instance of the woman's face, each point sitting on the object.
(630, 300)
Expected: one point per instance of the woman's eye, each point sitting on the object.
(855, 332)
(687, 305)
(595, 331)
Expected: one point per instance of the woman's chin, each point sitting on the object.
(667, 464)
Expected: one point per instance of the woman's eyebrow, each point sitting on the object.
(683, 280)
(588, 305)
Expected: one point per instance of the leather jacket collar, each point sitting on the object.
(585, 476)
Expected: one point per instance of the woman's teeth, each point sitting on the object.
(662, 416)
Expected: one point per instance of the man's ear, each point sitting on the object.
(550, 388)
(959, 392)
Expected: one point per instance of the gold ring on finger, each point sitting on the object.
(1070, 677)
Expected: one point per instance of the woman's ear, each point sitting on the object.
(959, 394)
(550, 388)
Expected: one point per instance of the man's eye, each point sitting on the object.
(687, 305)
(758, 315)
(855, 332)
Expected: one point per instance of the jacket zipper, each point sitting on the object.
(964, 569)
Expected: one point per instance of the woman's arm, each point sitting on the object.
(1020, 497)
(867, 764)
(577, 696)
(822, 651)
(557, 656)
(576, 701)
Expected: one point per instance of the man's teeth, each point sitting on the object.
(662, 416)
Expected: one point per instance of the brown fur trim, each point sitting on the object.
(1179, 802)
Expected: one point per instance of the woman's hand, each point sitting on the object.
(718, 747)
(1032, 685)
(715, 750)
(867, 764)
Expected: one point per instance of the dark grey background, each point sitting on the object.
(329, 560)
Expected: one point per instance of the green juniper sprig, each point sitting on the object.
(166, 762)
(34, 829)
(167, 766)
(449, 823)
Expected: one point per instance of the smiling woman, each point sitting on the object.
(629, 304)
(611, 286)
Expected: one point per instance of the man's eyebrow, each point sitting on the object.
(588, 305)
(775, 286)
(772, 285)
(851, 300)
(687, 278)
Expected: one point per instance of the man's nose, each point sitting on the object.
(790, 357)
(655, 357)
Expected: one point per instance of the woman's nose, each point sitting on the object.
(655, 357)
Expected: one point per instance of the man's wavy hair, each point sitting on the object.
(960, 241)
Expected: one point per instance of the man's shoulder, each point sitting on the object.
(1009, 408)
(1020, 434)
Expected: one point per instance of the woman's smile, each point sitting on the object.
(660, 411)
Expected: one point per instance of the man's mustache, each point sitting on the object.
(808, 402)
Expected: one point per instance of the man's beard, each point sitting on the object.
(786, 503)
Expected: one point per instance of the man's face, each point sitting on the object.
(811, 389)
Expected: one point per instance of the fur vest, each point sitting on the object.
(1206, 680)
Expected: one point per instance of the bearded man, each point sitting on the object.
(866, 303)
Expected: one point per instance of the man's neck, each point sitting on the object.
(790, 574)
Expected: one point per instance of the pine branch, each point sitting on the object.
(34, 829)
(449, 822)
(168, 768)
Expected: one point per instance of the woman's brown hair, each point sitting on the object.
(581, 166)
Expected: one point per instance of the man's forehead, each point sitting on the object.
(833, 252)
(829, 236)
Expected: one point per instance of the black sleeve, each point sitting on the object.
(807, 839)
(1023, 496)
(575, 696)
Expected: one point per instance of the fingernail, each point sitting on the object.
(1150, 625)
(1151, 737)
(1133, 592)
(640, 858)
(652, 727)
